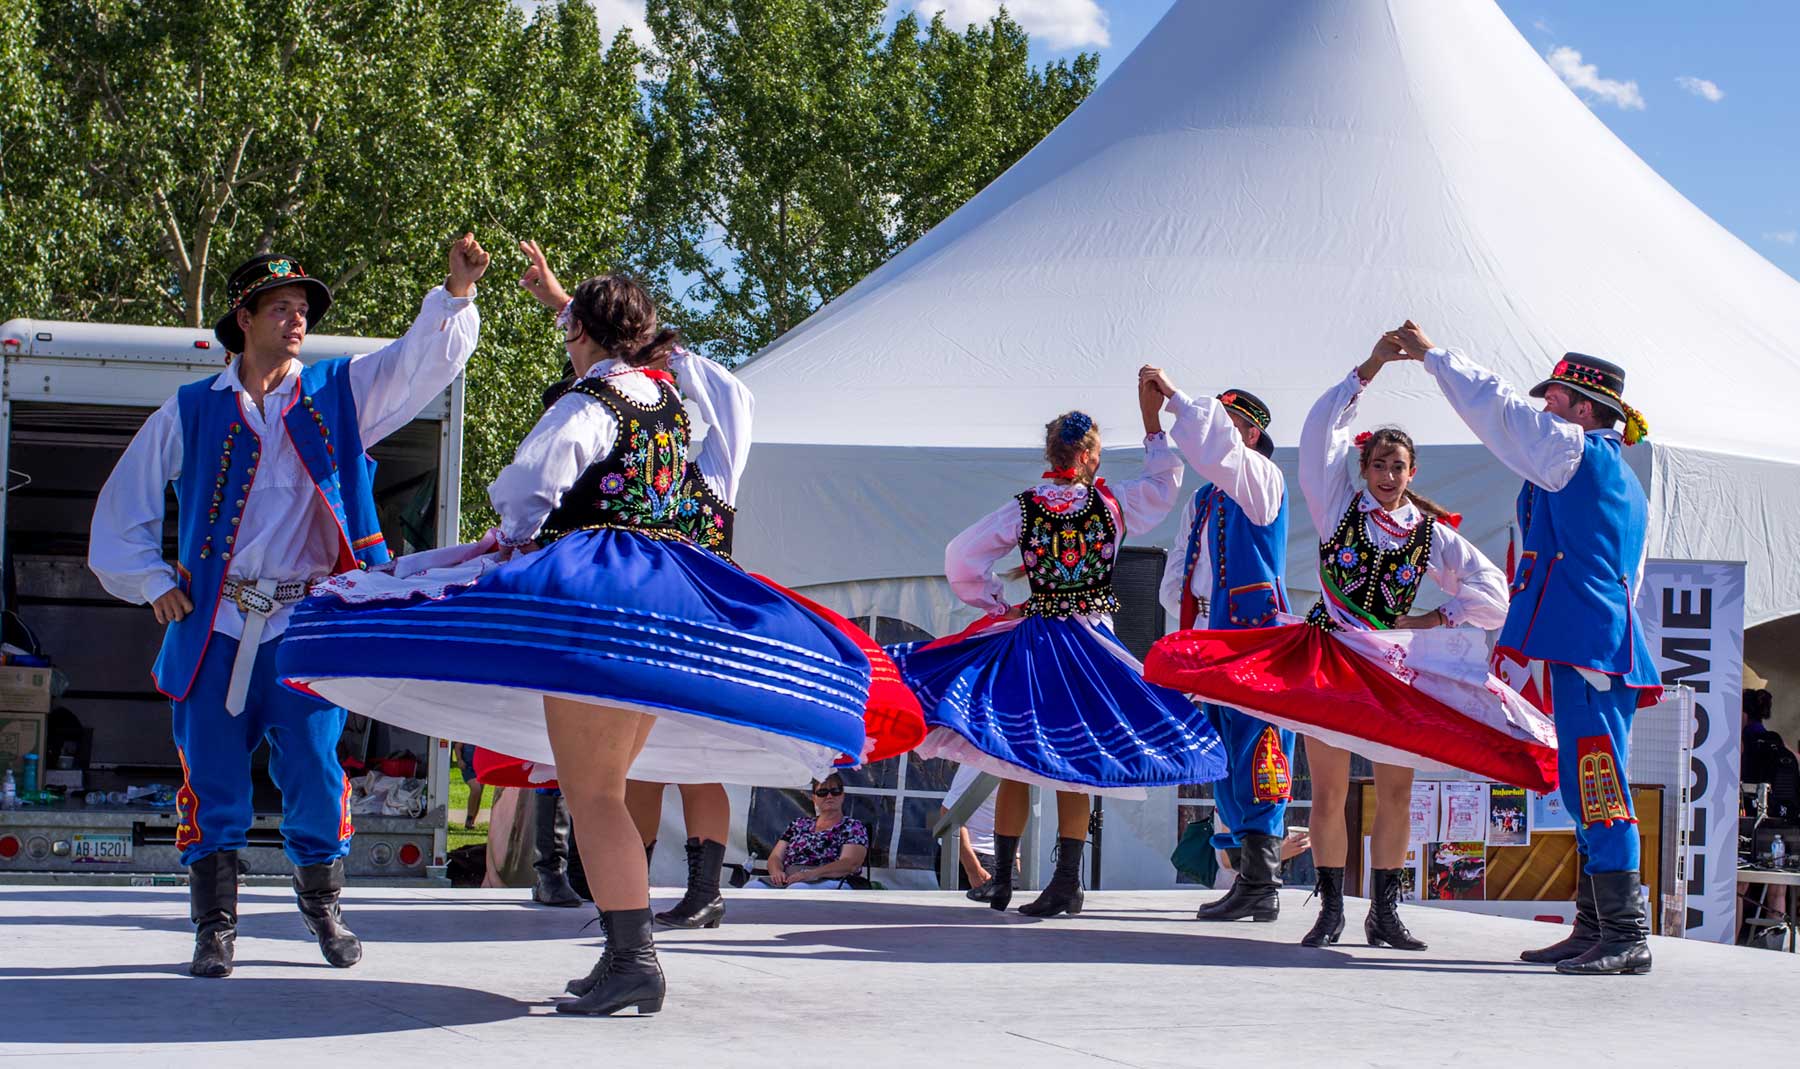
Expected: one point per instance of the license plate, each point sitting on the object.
(102, 849)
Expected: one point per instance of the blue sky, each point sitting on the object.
(1732, 145)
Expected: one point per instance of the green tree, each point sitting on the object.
(798, 145)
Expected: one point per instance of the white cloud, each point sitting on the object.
(612, 15)
(1059, 24)
(1785, 237)
(1542, 25)
(1702, 88)
(1585, 79)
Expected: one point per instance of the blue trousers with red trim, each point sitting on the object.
(1593, 760)
(214, 804)
(1235, 796)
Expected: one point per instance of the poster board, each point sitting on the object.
(1693, 617)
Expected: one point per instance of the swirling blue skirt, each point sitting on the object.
(748, 686)
(1057, 702)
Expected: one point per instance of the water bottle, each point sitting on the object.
(95, 798)
(9, 792)
(1777, 851)
(28, 783)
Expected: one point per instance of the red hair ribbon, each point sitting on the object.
(658, 374)
(1454, 519)
(1363, 439)
(1062, 473)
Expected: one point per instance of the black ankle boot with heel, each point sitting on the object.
(1329, 927)
(1063, 893)
(1006, 848)
(1383, 926)
(629, 974)
(702, 906)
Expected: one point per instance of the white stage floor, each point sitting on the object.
(466, 978)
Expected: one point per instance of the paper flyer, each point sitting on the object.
(1548, 814)
(1456, 872)
(1412, 871)
(1508, 816)
(1463, 812)
(1424, 814)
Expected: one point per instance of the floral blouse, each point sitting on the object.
(808, 848)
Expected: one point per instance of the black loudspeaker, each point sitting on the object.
(1137, 579)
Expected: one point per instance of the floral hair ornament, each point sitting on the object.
(1362, 440)
(1075, 427)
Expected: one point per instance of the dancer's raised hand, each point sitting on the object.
(468, 262)
(1152, 377)
(1413, 340)
(539, 281)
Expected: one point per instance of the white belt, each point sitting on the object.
(258, 600)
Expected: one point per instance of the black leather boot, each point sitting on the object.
(1229, 899)
(317, 887)
(1006, 848)
(1382, 926)
(581, 985)
(1327, 929)
(1063, 893)
(1624, 944)
(1256, 891)
(1580, 940)
(212, 903)
(632, 976)
(701, 907)
(551, 885)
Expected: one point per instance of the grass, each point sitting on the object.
(459, 804)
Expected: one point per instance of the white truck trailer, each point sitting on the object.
(72, 397)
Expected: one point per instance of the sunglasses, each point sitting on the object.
(828, 792)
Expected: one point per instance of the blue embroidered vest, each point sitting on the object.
(1572, 589)
(1248, 563)
(321, 423)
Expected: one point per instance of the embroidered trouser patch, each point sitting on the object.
(1253, 796)
(1593, 760)
(214, 805)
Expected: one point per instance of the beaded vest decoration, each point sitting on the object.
(641, 483)
(704, 515)
(1068, 555)
(1374, 584)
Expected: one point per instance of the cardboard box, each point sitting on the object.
(20, 734)
(24, 689)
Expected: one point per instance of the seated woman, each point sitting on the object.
(823, 849)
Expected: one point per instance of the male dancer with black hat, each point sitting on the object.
(289, 500)
(1585, 520)
(1228, 566)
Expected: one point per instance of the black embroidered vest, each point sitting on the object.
(1068, 556)
(1378, 585)
(642, 481)
(704, 516)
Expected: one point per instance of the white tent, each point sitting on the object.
(1255, 193)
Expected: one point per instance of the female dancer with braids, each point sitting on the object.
(1406, 690)
(622, 644)
(1043, 692)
